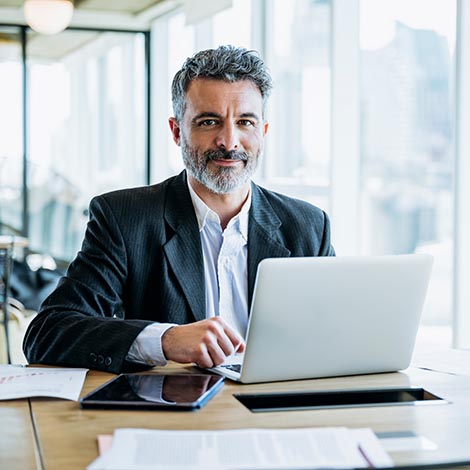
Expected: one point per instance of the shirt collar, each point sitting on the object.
(203, 211)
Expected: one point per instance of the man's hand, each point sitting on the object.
(207, 342)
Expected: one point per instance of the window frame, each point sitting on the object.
(461, 293)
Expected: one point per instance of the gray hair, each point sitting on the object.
(227, 63)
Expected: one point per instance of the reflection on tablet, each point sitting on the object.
(185, 391)
(169, 388)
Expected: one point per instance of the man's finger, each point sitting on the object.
(204, 358)
(225, 343)
(237, 341)
(217, 355)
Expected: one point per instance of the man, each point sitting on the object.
(166, 272)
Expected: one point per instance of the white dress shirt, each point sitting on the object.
(225, 254)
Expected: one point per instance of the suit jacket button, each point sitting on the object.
(93, 357)
(100, 359)
(108, 361)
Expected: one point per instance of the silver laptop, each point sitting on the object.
(332, 316)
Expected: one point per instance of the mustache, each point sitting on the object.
(225, 155)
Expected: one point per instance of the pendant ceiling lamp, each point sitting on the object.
(48, 16)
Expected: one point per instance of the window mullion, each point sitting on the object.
(345, 154)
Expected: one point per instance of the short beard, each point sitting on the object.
(222, 180)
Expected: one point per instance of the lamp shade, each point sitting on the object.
(48, 16)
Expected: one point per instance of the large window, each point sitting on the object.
(11, 136)
(298, 145)
(86, 131)
(406, 96)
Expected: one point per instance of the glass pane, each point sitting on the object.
(181, 44)
(87, 129)
(11, 132)
(233, 26)
(407, 52)
(298, 151)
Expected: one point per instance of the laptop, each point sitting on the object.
(331, 316)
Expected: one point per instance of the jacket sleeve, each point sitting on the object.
(82, 323)
(326, 248)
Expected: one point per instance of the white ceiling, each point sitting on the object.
(105, 14)
(102, 14)
(117, 6)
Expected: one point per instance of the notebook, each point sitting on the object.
(332, 316)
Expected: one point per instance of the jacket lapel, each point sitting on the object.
(263, 236)
(183, 249)
(184, 252)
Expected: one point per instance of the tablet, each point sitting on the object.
(315, 400)
(154, 392)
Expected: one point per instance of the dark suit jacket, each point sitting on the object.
(141, 262)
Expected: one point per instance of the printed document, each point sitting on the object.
(23, 382)
(449, 361)
(300, 448)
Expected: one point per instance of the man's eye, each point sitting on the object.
(208, 122)
(246, 122)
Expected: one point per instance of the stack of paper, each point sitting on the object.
(244, 449)
(23, 382)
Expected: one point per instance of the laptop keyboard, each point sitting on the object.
(234, 367)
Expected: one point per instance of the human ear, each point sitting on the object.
(265, 128)
(175, 130)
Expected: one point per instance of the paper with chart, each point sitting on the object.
(23, 382)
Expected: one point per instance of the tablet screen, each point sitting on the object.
(154, 391)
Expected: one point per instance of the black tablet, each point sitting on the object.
(154, 392)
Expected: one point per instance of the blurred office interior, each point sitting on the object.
(365, 120)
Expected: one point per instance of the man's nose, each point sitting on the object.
(228, 138)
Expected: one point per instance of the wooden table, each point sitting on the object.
(17, 443)
(67, 434)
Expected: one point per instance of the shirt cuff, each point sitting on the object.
(147, 347)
